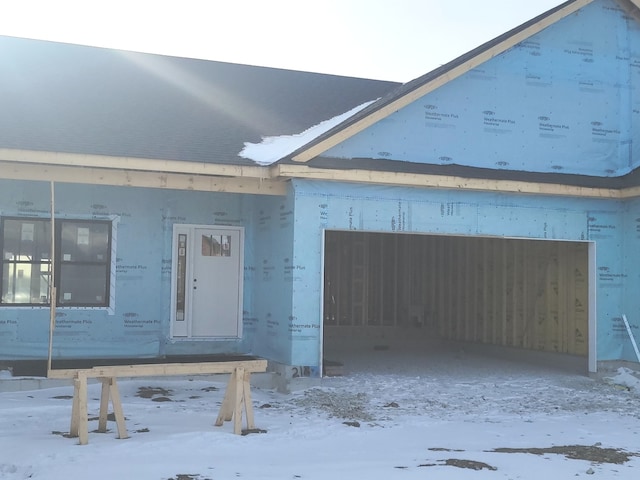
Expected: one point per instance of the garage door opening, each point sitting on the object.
(390, 290)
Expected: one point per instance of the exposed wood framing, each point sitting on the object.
(24, 165)
(446, 182)
(631, 192)
(401, 102)
(135, 178)
(129, 163)
(531, 294)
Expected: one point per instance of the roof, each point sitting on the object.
(59, 97)
(87, 100)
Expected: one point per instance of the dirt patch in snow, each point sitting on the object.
(470, 464)
(154, 393)
(343, 405)
(188, 476)
(593, 453)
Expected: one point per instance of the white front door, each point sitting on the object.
(207, 281)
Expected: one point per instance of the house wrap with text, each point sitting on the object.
(211, 208)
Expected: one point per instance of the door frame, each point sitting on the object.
(191, 228)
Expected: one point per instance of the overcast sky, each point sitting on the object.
(382, 39)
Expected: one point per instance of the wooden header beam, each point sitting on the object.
(52, 280)
(280, 174)
(136, 178)
(452, 182)
(274, 179)
(137, 172)
(129, 163)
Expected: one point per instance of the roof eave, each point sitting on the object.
(90, 169)
(454, 182)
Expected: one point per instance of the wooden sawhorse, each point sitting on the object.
(237, 395)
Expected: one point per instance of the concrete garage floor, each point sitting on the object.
(426, 354)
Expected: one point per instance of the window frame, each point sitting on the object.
(60, 262)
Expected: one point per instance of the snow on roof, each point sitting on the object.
(272, 149)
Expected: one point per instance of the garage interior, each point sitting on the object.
(386, 291)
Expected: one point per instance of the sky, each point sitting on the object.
(395, 40)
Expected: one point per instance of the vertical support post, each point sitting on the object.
(239, 398)
(592, 336)
(104, 405)
(52, 284)
(226, 409)
(248, 404)
(117, 408)
(73, 428)
(486, 298)
(83, 421)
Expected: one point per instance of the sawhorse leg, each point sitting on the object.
(238, 393)
(79, 412)
(248, 405)
(110, 390)
(79, 421)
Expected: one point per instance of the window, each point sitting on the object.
(83, 262)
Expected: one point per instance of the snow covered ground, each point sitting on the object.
(395, 415)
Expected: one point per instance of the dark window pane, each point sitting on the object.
(84, 242)
(83, 285)
(82, 260)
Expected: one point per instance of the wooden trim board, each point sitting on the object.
(450, 182)
(160, 369)
(145, 179)
(275, 180)
(153, 165)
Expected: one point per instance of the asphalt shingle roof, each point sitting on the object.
(78, 99)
